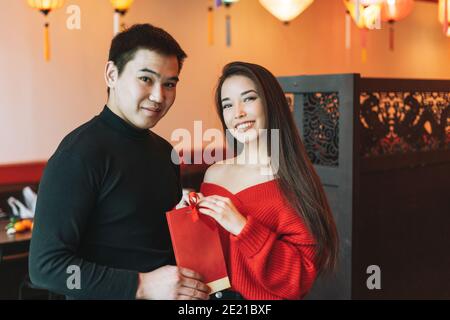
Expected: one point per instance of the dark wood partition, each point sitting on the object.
(382, 150)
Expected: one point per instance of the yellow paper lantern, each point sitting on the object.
(46, 6)
(367, 16)
(286, 10)
(120, 9)
(122, 6)
(365, 13)
(444, 10)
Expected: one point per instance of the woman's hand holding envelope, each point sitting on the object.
(223, 211)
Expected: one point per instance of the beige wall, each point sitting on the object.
(41, 102)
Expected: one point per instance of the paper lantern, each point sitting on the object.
(444, 15)
(365, 13)
(46, 6)
(392, 11)
(286, 10)
(395, 10)
(367, 16)
(121, 7)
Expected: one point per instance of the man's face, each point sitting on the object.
(145, 90)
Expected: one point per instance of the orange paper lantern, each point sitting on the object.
(395, 10)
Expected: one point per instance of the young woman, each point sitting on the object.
(277, 230)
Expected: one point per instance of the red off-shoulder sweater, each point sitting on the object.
(273, 256)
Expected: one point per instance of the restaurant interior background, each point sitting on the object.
(41, 101)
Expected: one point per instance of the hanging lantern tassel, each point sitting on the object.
(46, 36)
(121, 7)
(46, 42)
(210, 26)
(348, 30)
(391, 35)
(116, 22)
(363, 45)
(446, 18)
(228, 4)
(228, 29)
(357, 13)
(45, 7)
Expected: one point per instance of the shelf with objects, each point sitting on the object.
(18, 187)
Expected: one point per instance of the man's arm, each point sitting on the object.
(67, 195)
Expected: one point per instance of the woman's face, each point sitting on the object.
(242, 108)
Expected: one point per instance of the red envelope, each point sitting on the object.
(196, 244)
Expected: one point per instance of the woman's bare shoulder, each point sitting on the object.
(217, 171)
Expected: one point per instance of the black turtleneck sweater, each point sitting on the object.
(101, 206)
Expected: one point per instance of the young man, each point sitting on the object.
(100, 230)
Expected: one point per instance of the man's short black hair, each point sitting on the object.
(143, 36)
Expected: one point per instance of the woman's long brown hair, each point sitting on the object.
(296, 175)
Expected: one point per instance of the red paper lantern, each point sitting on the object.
(395, 10)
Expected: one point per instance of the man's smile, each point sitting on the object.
(151, 110)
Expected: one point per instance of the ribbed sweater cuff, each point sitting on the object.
(252, 238)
